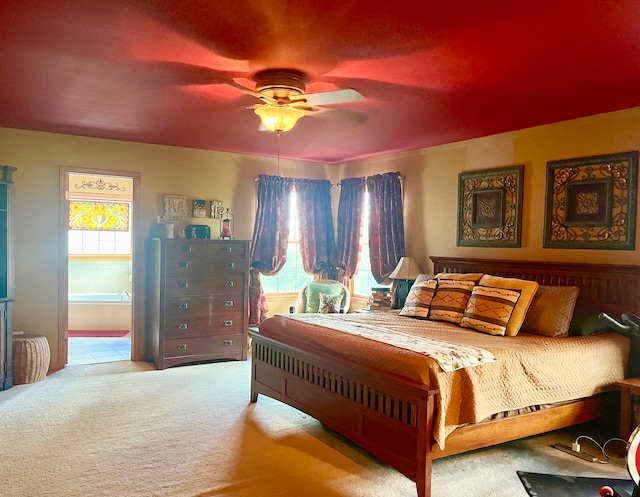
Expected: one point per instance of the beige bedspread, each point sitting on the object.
(528, 369)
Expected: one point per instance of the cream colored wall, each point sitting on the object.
(194, 173)
(430, 193)
(431, 185)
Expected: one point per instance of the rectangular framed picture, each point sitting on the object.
(489, 207)
(199, 208)
(591, 202)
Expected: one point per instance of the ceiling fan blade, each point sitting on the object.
(333, 97)
(249, 91)
(352, 116)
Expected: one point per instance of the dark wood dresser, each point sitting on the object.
(197, 300)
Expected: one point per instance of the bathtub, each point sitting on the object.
(99, 311)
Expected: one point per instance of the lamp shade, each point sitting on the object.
(279, 118)
(407, 269)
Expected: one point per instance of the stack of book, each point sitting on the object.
(380, 298)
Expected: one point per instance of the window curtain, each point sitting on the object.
(386, 224)
(270, 239)
(349, 227)
(317, 241)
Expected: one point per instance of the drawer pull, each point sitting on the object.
(228, 303)
(183, 305)
(230, 265)
(186, 248)
(228, 283)
(227, 249)
(183, 265)
(182, 346)
(183, 326)
(183, 284)
(226, 343)
(228, 322)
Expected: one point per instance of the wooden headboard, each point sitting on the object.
(610, 288)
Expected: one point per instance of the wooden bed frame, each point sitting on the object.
(392, 417)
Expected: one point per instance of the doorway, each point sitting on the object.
(98, 311)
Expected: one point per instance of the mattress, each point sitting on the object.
(521, 371)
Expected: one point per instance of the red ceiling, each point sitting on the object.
(432, 71)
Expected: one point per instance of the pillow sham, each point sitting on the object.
(489, 309)
(419, 299)
(527, 291)
(475, 277)
(585, 321)
(329, 304)
(551, 311)
(313, 293)
(450, 300)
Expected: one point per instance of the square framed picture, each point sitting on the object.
(199, 208)
(489, 207)
(591, 202)
(175, 206)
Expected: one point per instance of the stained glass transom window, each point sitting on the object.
(98, 216)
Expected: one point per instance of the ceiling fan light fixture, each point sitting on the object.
(279, 118)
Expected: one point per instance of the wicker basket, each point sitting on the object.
(31, 357)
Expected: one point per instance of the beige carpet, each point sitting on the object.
(125, 429)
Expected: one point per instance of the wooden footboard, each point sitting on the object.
(390, 418)
(385, 415)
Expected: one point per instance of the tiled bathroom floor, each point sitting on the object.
(89, 350)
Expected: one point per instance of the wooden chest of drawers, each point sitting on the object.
(197, 300)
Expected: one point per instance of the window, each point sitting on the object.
(292, 277)
(99, 228)
(363, 279)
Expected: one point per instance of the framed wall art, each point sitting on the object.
(489, 207)
(199, 208)
(175, 206)
(591, 202)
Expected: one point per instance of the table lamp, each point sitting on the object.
(405, 272)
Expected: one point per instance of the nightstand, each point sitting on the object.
(628, 387)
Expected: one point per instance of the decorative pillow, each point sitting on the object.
(475, 277)
(329, 304)
(551, 311)
(313, 293)
(424, 277)
(419, 298)
(450, 300)
(527, 291)
(489, 309)
(585, 321)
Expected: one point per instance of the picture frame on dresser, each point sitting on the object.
(591, 202)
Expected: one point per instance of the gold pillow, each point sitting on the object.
(417, 302)
(551, 311)
(489, 309)
(527, 291)
(450, 300)
(475, 277)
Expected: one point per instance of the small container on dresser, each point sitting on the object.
(197, 300)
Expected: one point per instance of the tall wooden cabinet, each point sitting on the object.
(197, 300)
(6, 276)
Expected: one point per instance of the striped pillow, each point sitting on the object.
(489, 309)
(450, 300)
(419, 298)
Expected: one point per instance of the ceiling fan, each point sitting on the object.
(284, 101)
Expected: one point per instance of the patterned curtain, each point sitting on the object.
(386, 224)
(349, 227)
(317, 241)
(270, 239)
